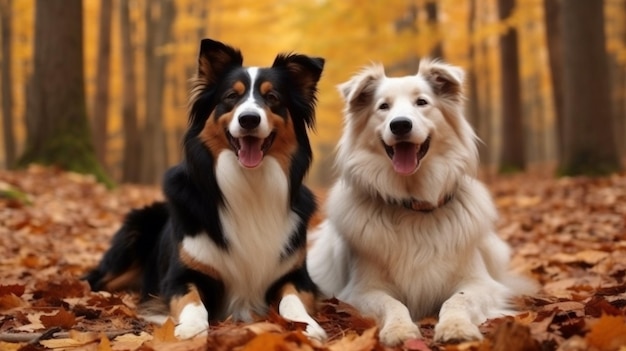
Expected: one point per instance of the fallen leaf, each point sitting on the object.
(608, 333)
(10, 301)
(15, 289)
(62, 318)
(355, 342)
(105, 343)
(165, 333)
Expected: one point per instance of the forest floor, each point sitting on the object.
(569, 234)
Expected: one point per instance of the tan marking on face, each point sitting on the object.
(129, 280)
(178, 303)
(213, 135)
(308, 298)
(265, 88)
(198, 266)
(239, 87)
(285, 142)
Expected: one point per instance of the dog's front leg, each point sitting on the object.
(294, 305)
(189, 313)
(461, 314)
(396, 325)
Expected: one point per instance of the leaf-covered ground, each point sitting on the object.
(569, 234)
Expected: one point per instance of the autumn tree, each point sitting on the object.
(159, 19)
(512, 157)
(6, 80)
(552, 10)
(589, 145)
(130, 129)
(432, 11)
(101, 102)
(57, 126)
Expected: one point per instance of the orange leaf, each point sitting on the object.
(267, 341)
(608, 333)
(105, 343)
(9, 301)
(354, 342)
(165, 333)
(15, 289)
(63, 319)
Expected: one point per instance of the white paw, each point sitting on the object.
(456, 330)
(188, 330)
(396, 333)
(314, 331)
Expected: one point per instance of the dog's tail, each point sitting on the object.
(124, 265)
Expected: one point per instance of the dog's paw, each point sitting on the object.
(393, 334)
(188, 330)
(456, 330)
(314, 331)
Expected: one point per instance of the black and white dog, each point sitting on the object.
(230, 239)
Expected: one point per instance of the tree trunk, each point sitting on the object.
(473, 104)
(433, 22)
(589, 145)
(101, 101)
(552, 9)
(58, 130)
(512, 156)
(132, 141)
(7, 83)
(159, 19)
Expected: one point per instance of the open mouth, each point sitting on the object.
(249, 149)
(406, 156)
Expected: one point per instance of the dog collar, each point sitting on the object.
(423, 206)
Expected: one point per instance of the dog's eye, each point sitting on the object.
(272, 98)
(421, 102)
(231, 96)
(383, 106)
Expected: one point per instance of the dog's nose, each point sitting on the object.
(249, 120)
(400, 126)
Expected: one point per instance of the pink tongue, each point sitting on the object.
(250, 154)
(405, 158)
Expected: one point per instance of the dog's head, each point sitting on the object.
(407, 127)
(253, 112)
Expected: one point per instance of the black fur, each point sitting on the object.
(149, 238)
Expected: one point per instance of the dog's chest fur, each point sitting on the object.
(257, 223)
(421, 256)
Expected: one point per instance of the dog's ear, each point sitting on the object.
(359, 90)
(446, 80)
(215, 59)
(304, 72)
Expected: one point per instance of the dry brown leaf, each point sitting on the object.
(513, 336)
(280, 342)
(608, 333)
(130, 341)
(10, 301)
(10, 346)
(15, 289)
(62, 318)
(355, 342)
(105, 343)
(165, 333)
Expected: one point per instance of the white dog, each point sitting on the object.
(410, 231)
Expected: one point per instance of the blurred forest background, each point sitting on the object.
(546, 80)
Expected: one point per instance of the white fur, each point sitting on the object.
(400, 265)
(192, 321)
(257, 223)
(292, 308)
(250, 105)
